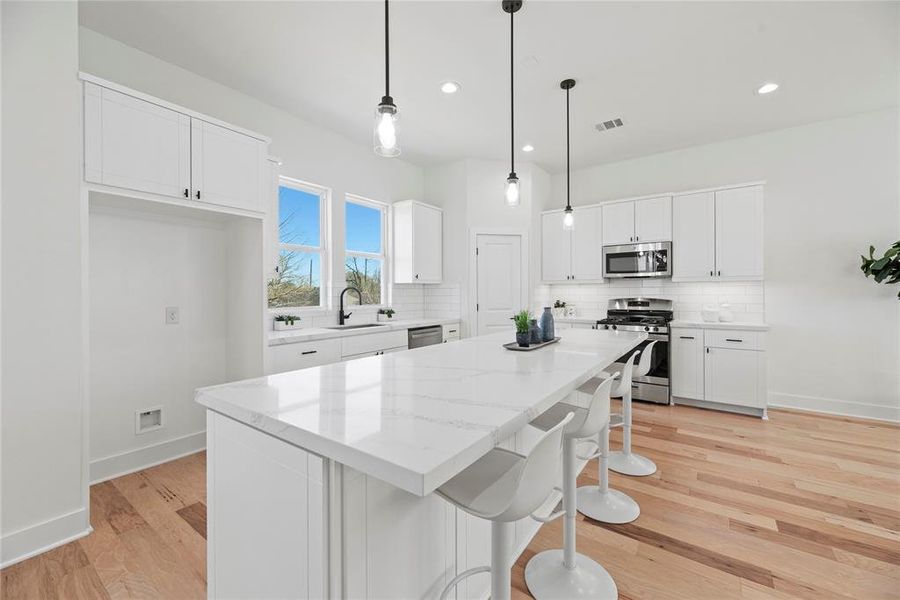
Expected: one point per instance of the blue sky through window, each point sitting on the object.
(298, 212)
(363, 228)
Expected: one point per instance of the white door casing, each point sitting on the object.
(499, 281)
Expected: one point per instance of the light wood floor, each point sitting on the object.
(802, 506)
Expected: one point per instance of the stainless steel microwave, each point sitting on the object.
(638, 260)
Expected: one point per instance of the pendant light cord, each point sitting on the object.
(512, 107)
(387, 53)
(568, 168)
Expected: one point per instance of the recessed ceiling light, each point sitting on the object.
(767, 88)
(450, 87)
(527, 148)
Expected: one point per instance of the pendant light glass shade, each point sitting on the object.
(568, 219)
(512, 190)
(387, 142)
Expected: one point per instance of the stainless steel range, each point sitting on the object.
(651, 315)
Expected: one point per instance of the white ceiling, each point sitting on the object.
(678, 73)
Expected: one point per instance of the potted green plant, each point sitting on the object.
(385, 314)
(286, 322)
(885, 269)
(522, 319)
(559, 309)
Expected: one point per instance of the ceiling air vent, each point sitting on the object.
(611, 124)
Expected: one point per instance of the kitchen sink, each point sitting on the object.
(360, 326)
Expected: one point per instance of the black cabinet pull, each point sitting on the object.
(711, 273)
(720, 273)
(187, 194)
(733, 340)
(309, 352)
(687, 337)
(707, 350)
(198, 194)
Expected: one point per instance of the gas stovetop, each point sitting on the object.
(638, 314)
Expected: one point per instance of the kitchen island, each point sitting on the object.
(320, 481)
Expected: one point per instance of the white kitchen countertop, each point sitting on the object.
(736, 325)
(309, 334)
(415, 419)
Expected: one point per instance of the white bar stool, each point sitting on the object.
(565, 574)
(627, 462)
(599, 502)
(503, 486)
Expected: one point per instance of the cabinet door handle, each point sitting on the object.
(630, 238)
(687, 337)
(417, 275)
(187, 194)
(733, 340)
(198, 194)
(637, 238)
(707, 350)
(720, 273)
(711, 273)
(309, 352)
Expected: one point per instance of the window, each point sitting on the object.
(364, 227)
(301, 245)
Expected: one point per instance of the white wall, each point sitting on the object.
(44, 496)
(832, 189)
(140, 263)
(309, 152)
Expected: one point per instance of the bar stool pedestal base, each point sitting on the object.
(611, 506)
(631, 464)
(547, 578)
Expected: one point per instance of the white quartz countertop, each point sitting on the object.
(309, 334)
(415, 419)
(735, 325)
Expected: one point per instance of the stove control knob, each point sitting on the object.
(614, 327)
(646, 328)
(656, 329)
(606, 327)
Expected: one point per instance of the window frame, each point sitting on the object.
(323, 249)
(384, 256)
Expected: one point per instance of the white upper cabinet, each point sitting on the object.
(717, 236)
(571, 255)
(587, 248)
(140, 143)
(653, 220)
(637, 221)
(694, 236)
(418, 243)
(137, 145)
(739, 233)
(556, 248)
(226, 166)
(618, 223)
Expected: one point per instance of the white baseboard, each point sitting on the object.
(37, 539)
(833, 406)
(117, 465)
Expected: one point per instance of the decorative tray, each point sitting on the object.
(514, 346)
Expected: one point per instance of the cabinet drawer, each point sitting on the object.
(738, 340)
(290, 357)
(373, 353)
(451, 332)
(362, 344)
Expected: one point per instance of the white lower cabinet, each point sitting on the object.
(719, 366)
(687, 363)
(290, 357)
(450, 332)
(358, 346)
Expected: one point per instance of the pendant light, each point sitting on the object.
(386, 115)
(512, 182)
(568, 214)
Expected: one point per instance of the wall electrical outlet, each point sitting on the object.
(148, 419)
(171, 315)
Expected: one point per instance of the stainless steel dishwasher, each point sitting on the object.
(425, 336)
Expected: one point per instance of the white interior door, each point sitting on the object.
(499, 282)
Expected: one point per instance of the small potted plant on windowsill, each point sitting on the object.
(286, 322)
(522, 319)
(559, 309)
(385, 314)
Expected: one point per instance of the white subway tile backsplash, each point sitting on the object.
(747, 300)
